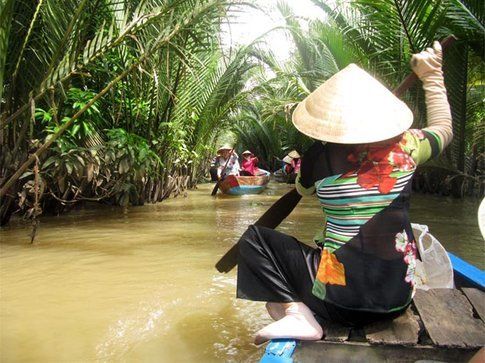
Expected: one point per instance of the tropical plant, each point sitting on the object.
(86, 80)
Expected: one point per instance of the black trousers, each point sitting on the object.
(275, 267)
(213, 173)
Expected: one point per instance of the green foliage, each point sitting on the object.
(131, 154)
(264, 122)
(170, 92)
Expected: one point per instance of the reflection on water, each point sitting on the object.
(101, 285)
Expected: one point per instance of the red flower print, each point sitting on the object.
(410, 251)
(376, 163)
(358, 154)
(408, 248)
(376, 174)
(379, 153)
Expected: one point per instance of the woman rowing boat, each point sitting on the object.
(363, 269)
(226, 162)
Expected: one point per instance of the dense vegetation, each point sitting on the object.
(110, 100)
(123, 101)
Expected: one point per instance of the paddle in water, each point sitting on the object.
(285, 205)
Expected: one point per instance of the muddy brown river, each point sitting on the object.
(101, 285)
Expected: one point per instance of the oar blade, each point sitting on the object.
(229, 260)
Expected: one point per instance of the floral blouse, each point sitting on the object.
(368, 254)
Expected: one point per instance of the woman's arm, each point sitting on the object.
(255, 161)
(428, 67)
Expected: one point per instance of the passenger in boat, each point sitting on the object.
(292, 163)
(286, 167)
(225, 167)
(249, 164)
(363, 268)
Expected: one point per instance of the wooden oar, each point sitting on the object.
(285, 205)
(216, 187)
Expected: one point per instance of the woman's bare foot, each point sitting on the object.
(298, 323)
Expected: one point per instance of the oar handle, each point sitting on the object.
(411, 79)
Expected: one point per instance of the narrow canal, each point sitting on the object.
(102, 285)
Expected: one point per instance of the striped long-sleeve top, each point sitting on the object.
(368, 250)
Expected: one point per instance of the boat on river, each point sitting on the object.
(281, 177)
(240, 185)
(445, 325)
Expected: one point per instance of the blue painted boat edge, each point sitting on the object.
(242, 190)
(279, 351)
(468, 272)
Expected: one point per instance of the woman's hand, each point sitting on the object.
(428, 62)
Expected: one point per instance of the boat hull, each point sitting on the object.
(241, 185)
(280, 177)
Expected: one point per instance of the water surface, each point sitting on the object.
(102, 285)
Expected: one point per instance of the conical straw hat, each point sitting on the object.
(294, 154)
(247, 152)
(224, 147)
(352, 107)
(287, 159)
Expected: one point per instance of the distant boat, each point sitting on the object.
(239, 185)
(281, 177)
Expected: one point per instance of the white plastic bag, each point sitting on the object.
(434, 271)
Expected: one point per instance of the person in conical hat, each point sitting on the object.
(285, 172)
(363, 268)
(250, 165)
(287, 159)
(232, 167)
(352, 107)
(294, 163)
